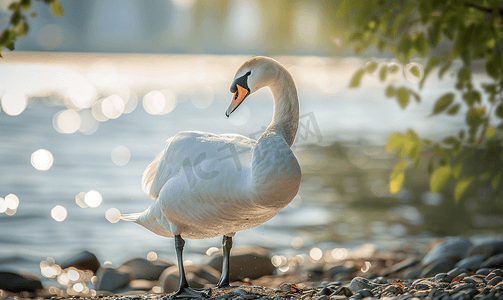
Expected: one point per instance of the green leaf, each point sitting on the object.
(14, 6)
(474, 116)
(464, 74)
(461, 186)
(395, 140)
(371, 66)
(22, 29)
(456, 170)
(343, 9)
(355, 81)
(499, 111)
(414, 70)
(396, 183)
(10, 45)
(454, 109)
(25, 4)
(434, 33)
(484, 176)
(57, 8)
(393, 69)
(442, 103)
(16, 17)
(403, 97)
(432, 63)
(444, 68)
(492, 68)
(495, 181)
(397, 177)
(420, 45)
(461, 134)
(471, 97)
(383, 72)
(490, 132)
(439, 178)
(390, 91)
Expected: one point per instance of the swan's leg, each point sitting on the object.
(226, 245)
(184, 291)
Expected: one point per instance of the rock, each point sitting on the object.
(495, 261)
(494, 273)
(495, 280)
(240, 292)
(287, 287)
(483, 271)
(141, 285)
(335, 270)
(251, 262)
(197, 276)
(438, 266)
(453, 248)
(342, 291)
(84, 260)
(412, 273)
(324, 291)
(364, 293)
(487, 249)
(456, 272)
(471, 263)
(109, 279)
(407, 263)
(17, 283)
(360, 283)
(423, 285)
(140, 268)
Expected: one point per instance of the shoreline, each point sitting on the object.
(455, 269)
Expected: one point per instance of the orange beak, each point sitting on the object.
(240, 94)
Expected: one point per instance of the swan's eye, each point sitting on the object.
(248, 73)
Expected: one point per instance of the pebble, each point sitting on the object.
(456, 271)
(344, 291)
(364, 293)
(360, 283)
(495, 280)
(472, 262)
(483, 271)
(453, 248)
(495, 261)
(240, 292)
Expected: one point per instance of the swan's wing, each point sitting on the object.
(150, 172)
(191, 148)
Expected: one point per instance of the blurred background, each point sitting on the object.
(89, 99)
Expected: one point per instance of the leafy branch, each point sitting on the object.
(473, 32)
(18, 25)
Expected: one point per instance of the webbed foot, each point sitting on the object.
(188, 292)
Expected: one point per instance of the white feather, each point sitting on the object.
(207, 185)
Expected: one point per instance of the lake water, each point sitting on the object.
(343, 200)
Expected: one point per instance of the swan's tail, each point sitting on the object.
(131, 217)
(152, 219)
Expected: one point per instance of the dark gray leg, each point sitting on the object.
(184, 291)
(226, 245)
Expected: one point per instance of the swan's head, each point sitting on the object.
(250, 77)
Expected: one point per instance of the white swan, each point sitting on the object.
(208, 185)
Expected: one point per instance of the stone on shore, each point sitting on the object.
(140, 268)
(251, 262)
(453, 248)
(17, 283)
(109, 279)
(84, 260)
(488, 249)
(197, 275)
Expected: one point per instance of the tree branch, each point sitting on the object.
(484, 9)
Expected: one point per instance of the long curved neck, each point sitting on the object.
(285, 119)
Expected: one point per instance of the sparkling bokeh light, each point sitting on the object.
(42, 160)
(59, 213)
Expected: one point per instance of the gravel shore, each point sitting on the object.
(454, 269)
